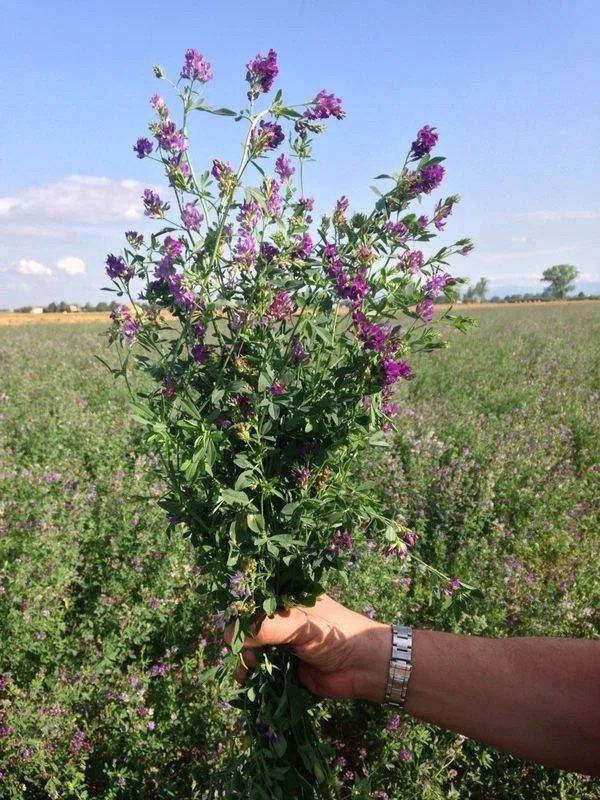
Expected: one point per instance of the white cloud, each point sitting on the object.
(519, 239)
(71, 264)
(80, 199)
(27, 266)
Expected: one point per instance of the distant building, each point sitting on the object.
(73, 307)
(36, 310)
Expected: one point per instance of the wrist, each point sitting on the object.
(372, 664)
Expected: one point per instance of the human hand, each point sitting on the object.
(342, 654)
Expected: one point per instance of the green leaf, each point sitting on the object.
(270, 606)
(237, 641)
(256, 523)
(241, 461)
(230, 497)
(286, 111)
(224, 112)
(289, 509)
(264, 381)
(379, 440)
(244, 480)
(216, 396)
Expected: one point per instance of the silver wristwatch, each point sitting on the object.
(400, 665)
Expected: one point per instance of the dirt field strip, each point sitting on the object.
(71, 318)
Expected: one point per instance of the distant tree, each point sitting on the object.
(477, 293)
(560, 278)
(23, 310)
(480, 289)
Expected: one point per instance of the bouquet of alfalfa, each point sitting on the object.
(273, 344)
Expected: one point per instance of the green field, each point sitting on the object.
(103, 638)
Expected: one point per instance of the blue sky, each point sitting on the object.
(513, 88)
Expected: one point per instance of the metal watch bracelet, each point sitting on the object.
(400, 665)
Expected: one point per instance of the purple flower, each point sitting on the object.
(303, 246)
(342, 540)
(397, 230)
(196, 67)
(153, 205)
(268, 136)
(134, 238)
(442, 212)
(369, 612)
(413, 261)
(238, 585)
(428, 179)
(353, 288)
(339, 212)
(5, 730)
(116, 268)
(278, 387)
(284, 168)
(394, 370)
(436, 283)
(425, 141)
(79, 742)
(164, 268)
(262, 71)
(173, 248)
(393, 724)
(301, 476)
(121, 316)
(245, 250)
(405, 755)
(425, 310)
(374, 336)
(182, 297)
(157, 102)
(306, 204)
(142, 148)
(171, 139)
(411, 538)
(220, 170)
(191, 217)
(297, 352)
(334, 267)
(272, 197)
(324, 106)
(158, 670)
(200, 353)
(238, 318)
(268, 251)
(281, 308)
(389, 409)
(249, 215)
(4, 680)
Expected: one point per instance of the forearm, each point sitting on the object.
(535, 698)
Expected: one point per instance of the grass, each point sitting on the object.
(495, 466)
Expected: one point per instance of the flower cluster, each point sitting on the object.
(276, 346)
